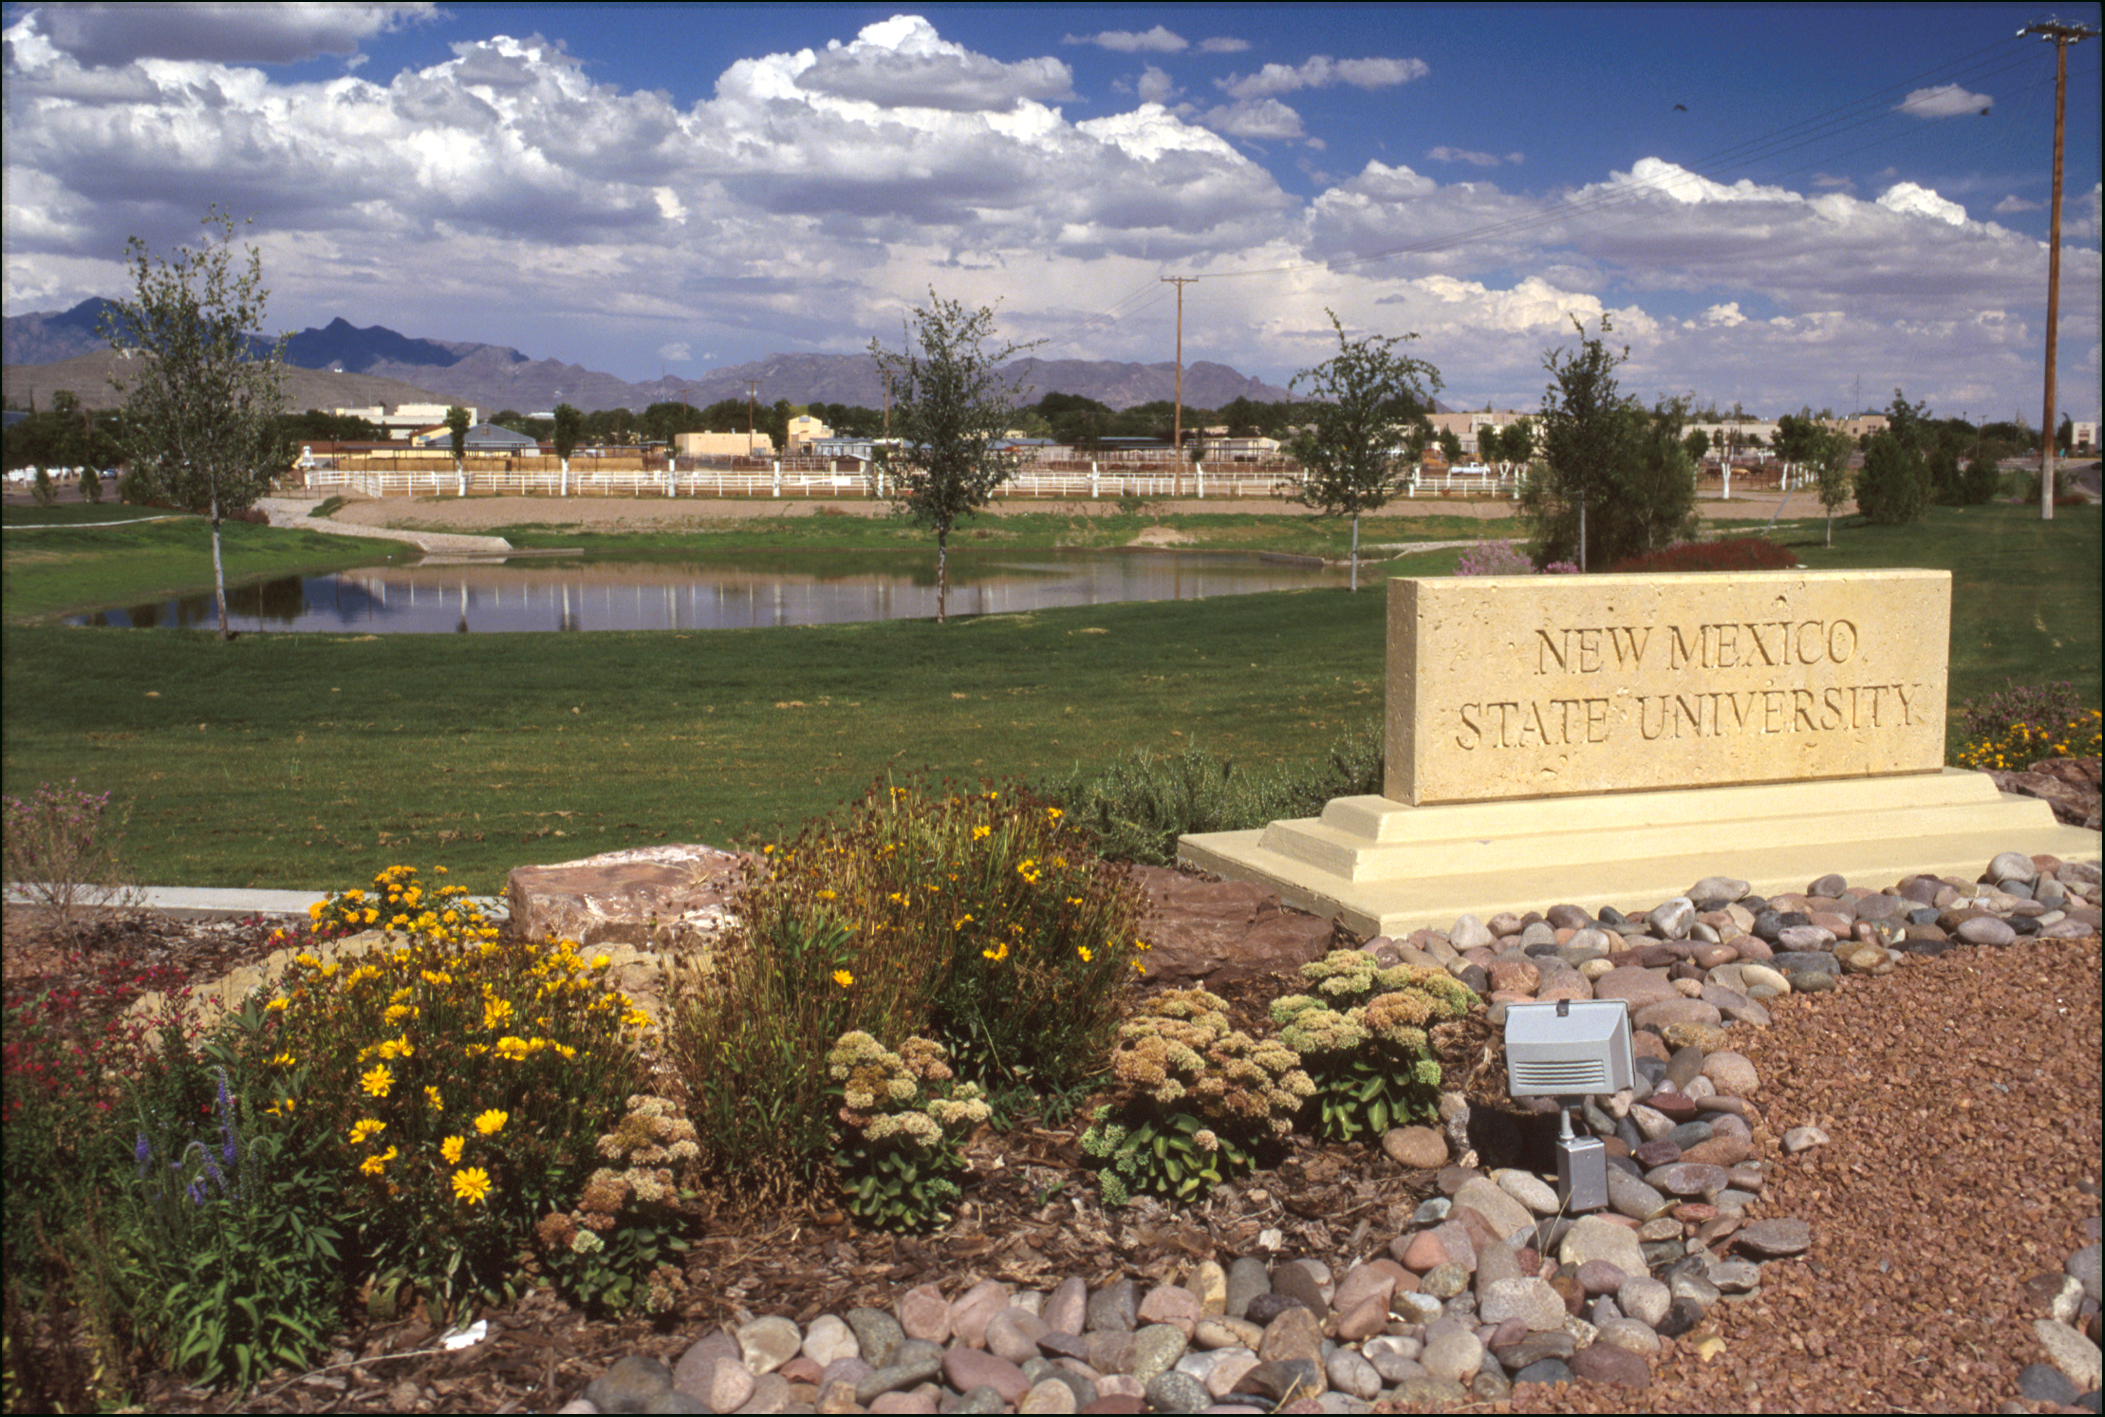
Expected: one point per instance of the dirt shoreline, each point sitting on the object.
(615, 514)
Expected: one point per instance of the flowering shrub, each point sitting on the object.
(61, 850)
(1197, 1099)
(2021, 724)
(400, 902)
(979, 919)
(617, 1243)
(459, 1082)
(1363, 1038)
(1733, 553)
(901, 1127)
(1494, 558)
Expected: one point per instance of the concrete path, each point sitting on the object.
(190, 903)
(295, 512)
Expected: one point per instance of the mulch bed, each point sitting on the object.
(1029, 1217)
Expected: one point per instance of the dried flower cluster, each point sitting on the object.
(1182, 1057)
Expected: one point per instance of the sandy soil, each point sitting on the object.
(613, 514)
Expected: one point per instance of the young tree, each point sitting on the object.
(1828, 456)
(1698, 444)
(569, 427)
(1450, 446)
(201, 408)
(1359, 399)
(951, 410)
(457, 433)
(1516, 443)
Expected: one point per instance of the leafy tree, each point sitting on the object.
(457, 433)
(1615, 481)
(569, 427)
(1697, 443)
(1828, 456)
(1359, 397)
(951, 408)
(1516, 442)
(201, 409)
(664, 421)
(1450, 446)
(2065, 436)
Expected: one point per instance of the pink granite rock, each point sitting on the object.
(684, 893)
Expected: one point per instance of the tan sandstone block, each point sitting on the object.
(1549, 686)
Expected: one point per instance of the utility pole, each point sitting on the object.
(1176, 486)
(752, 395)
(2062, 36)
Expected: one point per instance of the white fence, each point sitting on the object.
(821, 478)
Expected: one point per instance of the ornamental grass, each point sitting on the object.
(980, 920)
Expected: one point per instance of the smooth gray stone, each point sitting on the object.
(895, 1377)
(1671, 920)
(981, 1399)
(1247, 1278)
(1549, 1371)
(877, 1332)
(1627, 1195)
(628, 1384)
(1177, 1392)
(676, 1401)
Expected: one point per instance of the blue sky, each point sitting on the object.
(1771, 203)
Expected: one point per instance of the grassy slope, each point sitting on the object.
(61, 560)
(315, 760)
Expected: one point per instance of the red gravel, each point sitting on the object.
(1962, 1094)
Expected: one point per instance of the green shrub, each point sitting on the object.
(1197, 1101)
(1363, 1038)
(1892, 488)
(1979, 482)
(90, 486)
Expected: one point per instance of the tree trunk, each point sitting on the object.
(942, 570)
(219, 574)
(1355, 551)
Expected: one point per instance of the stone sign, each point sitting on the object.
(1551, 686)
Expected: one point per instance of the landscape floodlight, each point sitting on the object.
(1572, 1048)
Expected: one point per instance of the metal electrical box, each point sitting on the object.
(1570, 1048)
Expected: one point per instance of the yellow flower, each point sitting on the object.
(377, 1081)
(602, 961)
(997, 955)
(277, 1005)
(364, 1131)
(843, 978)
(431, 1095)
(283, 1060)
(398, 1048)
(492, 1122)
(371, 915)
(495, 1012)
(307, 960)
(451, 1149)
(471, 1185)
(1083, 951)
(1053, 814)
(513, 1048)
(981, 833)
(374, 1165)
(828, 895)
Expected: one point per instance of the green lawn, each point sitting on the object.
(315, 760)
(62, 560)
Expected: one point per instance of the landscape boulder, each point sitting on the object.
(1202, 931)
(649, 895)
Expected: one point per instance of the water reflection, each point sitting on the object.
(814, 588)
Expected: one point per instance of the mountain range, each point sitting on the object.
(495, 377)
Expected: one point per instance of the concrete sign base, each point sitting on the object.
(1384, 867)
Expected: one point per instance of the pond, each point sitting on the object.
(437, 596)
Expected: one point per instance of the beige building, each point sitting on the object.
(723, 445)
(406, 419)
(804, 430)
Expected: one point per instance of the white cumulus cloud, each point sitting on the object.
(1322, 71)
(105, 36)
(1911, 200)
(1943, 101)
(1154, 41)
